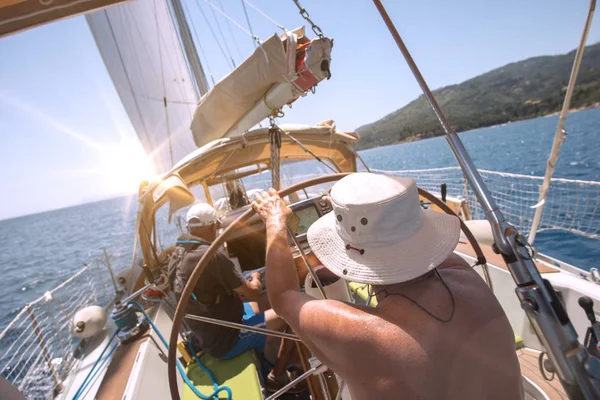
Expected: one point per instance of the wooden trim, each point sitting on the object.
(6, 3)
(18, 16)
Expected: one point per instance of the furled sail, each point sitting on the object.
(143, 54)
(280, 70)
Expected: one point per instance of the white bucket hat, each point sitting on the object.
(204, 214)
(378, 233)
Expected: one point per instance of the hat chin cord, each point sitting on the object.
(386, 294)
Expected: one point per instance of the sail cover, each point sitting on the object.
(281, 69)
(143, 54)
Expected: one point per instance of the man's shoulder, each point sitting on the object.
(220, 257)
(454, 261)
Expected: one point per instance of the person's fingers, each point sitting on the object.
(273, 192)
(260, 201)
(263, 195)
(257, 207)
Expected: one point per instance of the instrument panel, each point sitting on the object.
(248, 242)
(305, 213)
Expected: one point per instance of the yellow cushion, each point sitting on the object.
(362, 291)
(239, 373)
(518, 342)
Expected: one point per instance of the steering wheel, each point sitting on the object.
(224, 236)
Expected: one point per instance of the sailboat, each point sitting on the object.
(207, 145)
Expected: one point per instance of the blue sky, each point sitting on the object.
(62, 124)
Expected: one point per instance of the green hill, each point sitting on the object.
(521, 90)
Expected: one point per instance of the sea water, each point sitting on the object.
(38, 252)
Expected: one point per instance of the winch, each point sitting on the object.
(131, 325)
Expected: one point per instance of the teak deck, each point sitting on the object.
(529, 367)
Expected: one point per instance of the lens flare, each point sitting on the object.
(122, 166)
(125, 166)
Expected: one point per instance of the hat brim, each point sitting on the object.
(423, 251)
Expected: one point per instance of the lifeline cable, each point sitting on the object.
(92, 372)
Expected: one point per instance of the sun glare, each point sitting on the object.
(125, 166)
(122, 165)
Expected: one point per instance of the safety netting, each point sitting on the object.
(571, 205)
(37, 349)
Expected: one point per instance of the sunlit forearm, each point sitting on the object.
(281, 271)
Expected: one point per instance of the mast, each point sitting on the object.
(189, 48)
(559, 136)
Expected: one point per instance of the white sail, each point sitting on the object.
(143, 54)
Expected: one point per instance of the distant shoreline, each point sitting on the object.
(572, 110)
(69, 206)
(424, 135)
(407, 140)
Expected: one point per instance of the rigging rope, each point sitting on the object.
(233, 21)
(212, 11)
(248, 22)
(263, 14)
(306, 149)
(187, 380)
(212, 31)
(189, 18)
(237, 49)
(275, 146)
(93, 371)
